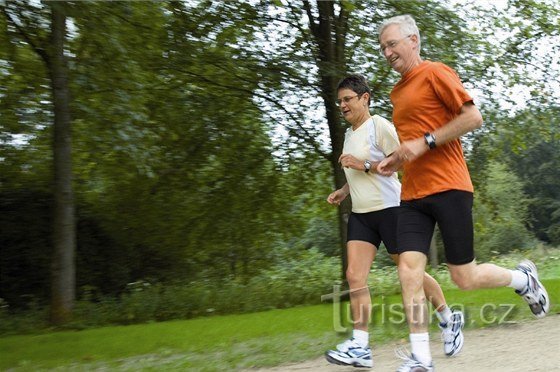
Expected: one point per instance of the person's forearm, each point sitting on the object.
(468, 120)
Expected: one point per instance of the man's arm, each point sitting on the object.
(468, 120)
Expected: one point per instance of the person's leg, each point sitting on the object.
(361, 250)
(451, 322)
(524, 279)
(414, 234)
(453, 211)
(388, 232)
(411, 275)
(360, 257)
(473, 276)
(434, 293)
(432, 289)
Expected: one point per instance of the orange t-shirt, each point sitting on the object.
(426, 98)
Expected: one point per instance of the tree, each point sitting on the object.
(303, 50)
(174, 178)
(528, 143)
(501, 213)
(206, 133)
(63, 272)
(63, 290)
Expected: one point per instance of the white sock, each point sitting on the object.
(518, 280)
(444, 314)
(361, 337)
(420, 344)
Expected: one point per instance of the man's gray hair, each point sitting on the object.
(407, 25)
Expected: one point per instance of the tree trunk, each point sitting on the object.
(329, 33)
(63, 271)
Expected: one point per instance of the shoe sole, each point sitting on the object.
(332, 360)
(538, 301)
(532, 270)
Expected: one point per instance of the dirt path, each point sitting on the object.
(530, 346)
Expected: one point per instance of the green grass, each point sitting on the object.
(235, 342)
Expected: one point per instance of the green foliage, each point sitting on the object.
(529, 144)
(501, 214)
(301, 278)
(199, 145)
(384, 280)
(25, 246)
(174, 170)
(539, 165)
(322, 234)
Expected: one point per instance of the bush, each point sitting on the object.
(296, 281)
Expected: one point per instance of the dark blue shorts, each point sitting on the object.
(375, 227)
(452, 210)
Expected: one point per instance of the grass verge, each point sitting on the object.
(243, 341)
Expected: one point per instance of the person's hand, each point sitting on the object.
(390, 165)
(336, 197)
(415, 148)
(407, 151)
(349, 161)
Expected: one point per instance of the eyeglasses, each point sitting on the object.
(391, 44)
(346, 99)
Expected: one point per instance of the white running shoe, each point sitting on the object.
(534, 293)
(350, 353)
(452, 334)
(411, 364)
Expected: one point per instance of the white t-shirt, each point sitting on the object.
(373, 140)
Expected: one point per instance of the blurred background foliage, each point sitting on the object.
(205, 144)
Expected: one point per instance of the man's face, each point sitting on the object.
(398, 49)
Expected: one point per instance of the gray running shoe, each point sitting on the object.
(452, 334)
(350, 353)
(411, 364)
(534, 292)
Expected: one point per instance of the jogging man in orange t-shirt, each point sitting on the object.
(432, 110)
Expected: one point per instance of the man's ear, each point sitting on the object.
(414, 38)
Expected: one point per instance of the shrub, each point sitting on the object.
(296, 281)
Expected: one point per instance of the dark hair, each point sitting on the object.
(356, 83)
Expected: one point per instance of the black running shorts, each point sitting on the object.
(375, 227)
(452, 210)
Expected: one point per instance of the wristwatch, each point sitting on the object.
(430, 140)
(367, 165)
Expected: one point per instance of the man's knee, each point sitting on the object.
(463, 280)
(411, 269)
(466, 276)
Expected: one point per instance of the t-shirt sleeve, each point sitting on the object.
(448, 88)
(388, 140)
